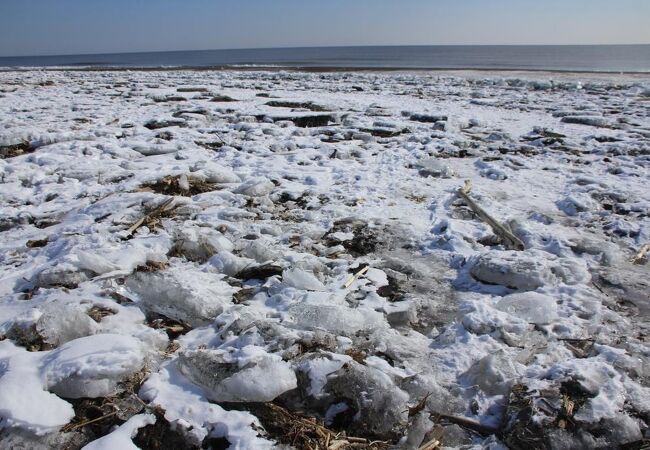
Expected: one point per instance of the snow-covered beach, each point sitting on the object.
(215, 257)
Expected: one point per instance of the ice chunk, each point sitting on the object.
(61, 275)
(230, 264)
(494, 373)
(189, 296)
(334, 318)
(255, 187)
(301, 279)
(530, 306)
(528, 270)
(261, 250)
(121, 437)
(92, 366)
(434, 168)
(574, 204)
(60, 323)
(382, 406)
(218, 174)
(95, 263)
(187, 407)
(420, 426)
(319, 367)
(200, 243)
(259, 381)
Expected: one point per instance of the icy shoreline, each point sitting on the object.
(180, 248)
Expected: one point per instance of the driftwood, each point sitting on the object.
(149, 216)
(470, 424)
(510, 240)
(354, 277)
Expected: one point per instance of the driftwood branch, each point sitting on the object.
(146, 217)
(355, 277)
(510, 240)
(469, 424)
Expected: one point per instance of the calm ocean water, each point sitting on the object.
(593, 58)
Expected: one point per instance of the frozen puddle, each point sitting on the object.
(268, 259)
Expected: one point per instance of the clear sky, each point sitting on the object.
(43, 27)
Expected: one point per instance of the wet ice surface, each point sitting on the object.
(194, 231)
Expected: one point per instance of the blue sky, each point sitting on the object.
(40, 27)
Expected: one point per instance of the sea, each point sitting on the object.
(570, 58)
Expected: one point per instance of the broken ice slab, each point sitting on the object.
(189, 296)
(528, 270)
(494, 374)
(224, 381)
(383, 410)
(530, 306)
(337, 319)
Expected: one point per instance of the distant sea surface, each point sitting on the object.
(578, 58)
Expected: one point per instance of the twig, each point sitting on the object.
(470, 424)
(598, 287)
(146, 217)
(88, 422)
(414, 410)
(509, 239)
(354, 277)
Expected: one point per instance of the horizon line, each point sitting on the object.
(320, 46)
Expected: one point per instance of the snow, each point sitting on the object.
(444, 310)
(121, 438)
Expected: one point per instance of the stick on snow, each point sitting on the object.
(510, 240)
